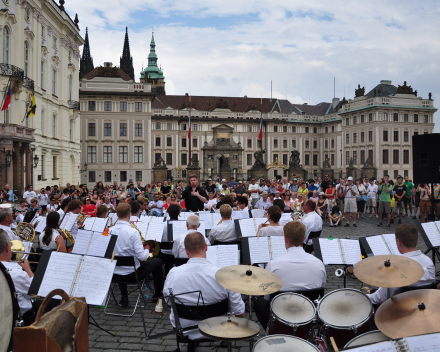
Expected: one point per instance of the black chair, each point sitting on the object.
(196, 314)
(310, 294)
(220, 243)
(414, 288)
(180, 261)
(309, 248)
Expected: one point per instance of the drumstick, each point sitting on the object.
(332, 340)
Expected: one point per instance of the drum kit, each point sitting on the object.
(344, 317)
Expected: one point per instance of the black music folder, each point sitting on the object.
(261, 250)
(337, 251)
(94, 244)
(430, 232)
(379, 245)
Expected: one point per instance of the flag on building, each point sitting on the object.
(7, 102)
(260, 134)
(32, 107)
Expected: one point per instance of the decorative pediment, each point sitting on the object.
(223, 126)
(29, 34)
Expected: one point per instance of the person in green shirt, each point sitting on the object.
(407, 198)
(385, 200)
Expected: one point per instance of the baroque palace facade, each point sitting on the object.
(40, 55)
(128, 131)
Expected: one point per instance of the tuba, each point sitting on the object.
(155, 247)
(25, 231)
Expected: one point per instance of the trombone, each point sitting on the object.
(18, 251)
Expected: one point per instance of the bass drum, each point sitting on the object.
(283, 343)
(8, 309)
(367, 339)
(291, 314)
(346, 313)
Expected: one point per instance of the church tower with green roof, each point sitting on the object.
(152, 73)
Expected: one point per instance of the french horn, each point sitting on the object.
(25, 231)
(155, 246)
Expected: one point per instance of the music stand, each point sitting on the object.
(435, 250)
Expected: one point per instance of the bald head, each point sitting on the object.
(195, 245)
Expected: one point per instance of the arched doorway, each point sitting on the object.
(278, 169)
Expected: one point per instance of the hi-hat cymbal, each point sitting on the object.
(248, 280)
(388, 271)
(409, 314)
(228, 328)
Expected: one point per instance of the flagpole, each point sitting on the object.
(4, 96)
(189, 132)
(261, 144)
(28, 105)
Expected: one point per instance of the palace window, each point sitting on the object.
(123, 106)
(108, 154)
(138, 154)
(169, 142)
(107, 106)
(123, 129)
(92, 105)
(91, 155)
(138, 129)
(107, 129)
(92, 129)
(138, 108)
(123, 154)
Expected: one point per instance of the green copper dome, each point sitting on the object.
(152, 71)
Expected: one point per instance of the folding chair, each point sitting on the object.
(310, 294)
(309, 248)
(180, 261)
(127, 261)
(196, 314)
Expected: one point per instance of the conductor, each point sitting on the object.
(195, 197)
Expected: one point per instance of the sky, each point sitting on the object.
(237, 48)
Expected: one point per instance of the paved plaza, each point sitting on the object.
(129, 331)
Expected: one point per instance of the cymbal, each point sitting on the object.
(228, 328)
(248, 280)
(409, 314)
(400, 271)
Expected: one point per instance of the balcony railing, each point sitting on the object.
(73, 104)
(16, 132)
(29, 83)
(12, 71)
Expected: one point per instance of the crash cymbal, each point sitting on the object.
(388, 271)
(409, 314)
(228, 328)
(248, 280)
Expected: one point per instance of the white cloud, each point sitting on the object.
(301, 45)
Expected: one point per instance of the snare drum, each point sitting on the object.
(283, 343)
(346, 313)
(368, 338)
(291, 314)
(8, 309)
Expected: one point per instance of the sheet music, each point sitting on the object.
(377, 245)
(145, 219)
(391, 240)
(425, 343)
(98, 246)
(99, 225)
(247, 227)
(134, 219)
(207, 218)
(432, 232)
(95, 279)
(258, 221)
(156, 219)
(35, 219)
(114, 217)
(64, 222)
(227, 255)
(259, 249)
(155, 231)
(60, 272)
(257, 213)
(179, 229)
(202, 228)
(41, 226)
(240, 214)
(352, 251)
(278, 246)
(71, 221)
(27, 248)
(88, 223)
(330, 251)
(211, 254)
(142, 227)
(387, 346)
(82, 242)
(215, 218)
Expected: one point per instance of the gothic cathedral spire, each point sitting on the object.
(126, 61)
(86, 62)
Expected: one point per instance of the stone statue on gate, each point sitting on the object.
(294, 162)
(225, 162)
(194, 161)
(259, 162)
(326, 164)
(159, 161)
(351, 163)
(368, 163)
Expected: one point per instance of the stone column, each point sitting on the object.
(10, 171)
(160, 173)
(29, 166)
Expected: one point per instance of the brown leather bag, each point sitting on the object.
(35, 337)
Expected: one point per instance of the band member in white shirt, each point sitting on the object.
(312, 221)
(297, 269)
(192, 224)
(407, 236)
(129, 244)
(74, 208)
(198, 274)
(51, 238)
(274, 228)
(284, 218)
(6, 219)
(64, 208)
(224, 231)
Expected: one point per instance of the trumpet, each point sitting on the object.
(155, 247)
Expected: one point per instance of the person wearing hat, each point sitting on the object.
(277, 195)
(350, 209)
(240, 189)
(294, 186)
(321, 204)
(88, 208)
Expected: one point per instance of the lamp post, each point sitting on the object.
(83, 170)
(8, 160)
(36, 159)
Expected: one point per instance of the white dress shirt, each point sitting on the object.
(313, 223)
(381, 295)
(271, 231)
(224, 232)
(128, 244)
(285, 219)
(52, 243)
(198, 274)
(179, 245)
(261, 204)
(61, 212)
(211, 203)
(11, 234)
(22, 282)
(298, 270)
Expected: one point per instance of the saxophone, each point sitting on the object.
(155, 247)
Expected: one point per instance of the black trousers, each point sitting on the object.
(262, 311)
(168, 261)
(153, 266)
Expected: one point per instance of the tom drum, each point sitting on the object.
(367, 339)
(283, 343)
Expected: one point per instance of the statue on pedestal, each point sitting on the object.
(326, 164)
(294, 162)
(368, 163)
(259, 162)
(159, 162)
(194, 161)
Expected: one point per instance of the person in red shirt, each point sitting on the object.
(88, 208)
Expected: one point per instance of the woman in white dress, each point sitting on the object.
(51, 238)
(274, 228)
